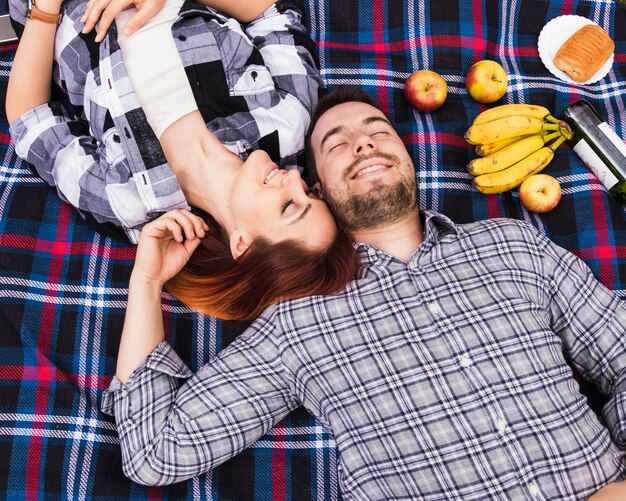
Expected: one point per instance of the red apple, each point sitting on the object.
(425, 90)
(540, 193)
(486, 81)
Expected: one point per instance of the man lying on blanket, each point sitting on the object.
(441, 370)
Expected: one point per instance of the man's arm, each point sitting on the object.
(31, 72)
(591, 321)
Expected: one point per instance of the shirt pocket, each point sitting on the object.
(243, 64)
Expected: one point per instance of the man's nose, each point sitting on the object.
(364, 144)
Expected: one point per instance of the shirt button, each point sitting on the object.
(412, 266)
(182, 38)
(533, 489)
(465, 362)
(434, 309)
(215, 125)
(501, 426)
(371, 252)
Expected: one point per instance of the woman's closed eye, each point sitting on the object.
(288, 206)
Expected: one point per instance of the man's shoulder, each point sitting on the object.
(501, 231)
(302, 313)
(499, 225)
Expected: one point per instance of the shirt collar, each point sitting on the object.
(435, 226)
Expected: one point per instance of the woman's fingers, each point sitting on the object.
(191, 245)
(105, 11)
(146, 10)
(177, 223)
(92, 13)
(107, 16)
(191, 225)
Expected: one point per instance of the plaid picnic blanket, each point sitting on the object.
(63, 283)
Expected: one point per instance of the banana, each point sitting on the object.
(507, 127)
(513, 176)
(504, 110)
(509, 155)
(508, 179)
(487, 149)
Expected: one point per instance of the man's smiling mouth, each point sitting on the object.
(367, 170)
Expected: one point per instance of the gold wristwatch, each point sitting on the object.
(35, 13)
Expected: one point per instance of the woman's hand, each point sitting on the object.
(106, 10)
(166, 244)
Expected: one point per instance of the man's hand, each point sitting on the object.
(106, 10)
(166, 244)
(615, 491)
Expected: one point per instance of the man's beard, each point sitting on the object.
(382, 204)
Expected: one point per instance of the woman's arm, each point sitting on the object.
(31, 73)
(164, 247)
(168, 432)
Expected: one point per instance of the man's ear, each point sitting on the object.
(317, 191)
(238, 243)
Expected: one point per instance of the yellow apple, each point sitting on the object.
(486, 81)
(540, 193)
(425, 90)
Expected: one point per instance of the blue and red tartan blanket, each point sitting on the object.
(63, 284)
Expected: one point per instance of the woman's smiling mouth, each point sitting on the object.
(270, 174)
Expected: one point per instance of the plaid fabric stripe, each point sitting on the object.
(60, 447)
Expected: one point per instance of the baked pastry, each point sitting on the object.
(584, 52)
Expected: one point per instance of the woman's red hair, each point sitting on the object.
(216, 284)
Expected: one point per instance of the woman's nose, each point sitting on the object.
(292, 177)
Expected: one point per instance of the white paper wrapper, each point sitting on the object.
(554, 34)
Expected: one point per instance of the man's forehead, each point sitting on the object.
(344, 115)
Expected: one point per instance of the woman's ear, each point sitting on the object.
(238, 243)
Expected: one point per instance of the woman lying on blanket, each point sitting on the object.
(162, 118)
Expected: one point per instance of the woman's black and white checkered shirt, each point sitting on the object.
(255, 86)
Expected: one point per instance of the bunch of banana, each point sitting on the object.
(512, 143)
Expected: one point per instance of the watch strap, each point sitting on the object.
(35, 13)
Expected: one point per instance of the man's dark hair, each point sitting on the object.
(339, 95)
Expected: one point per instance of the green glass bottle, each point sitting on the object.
(599, 147)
